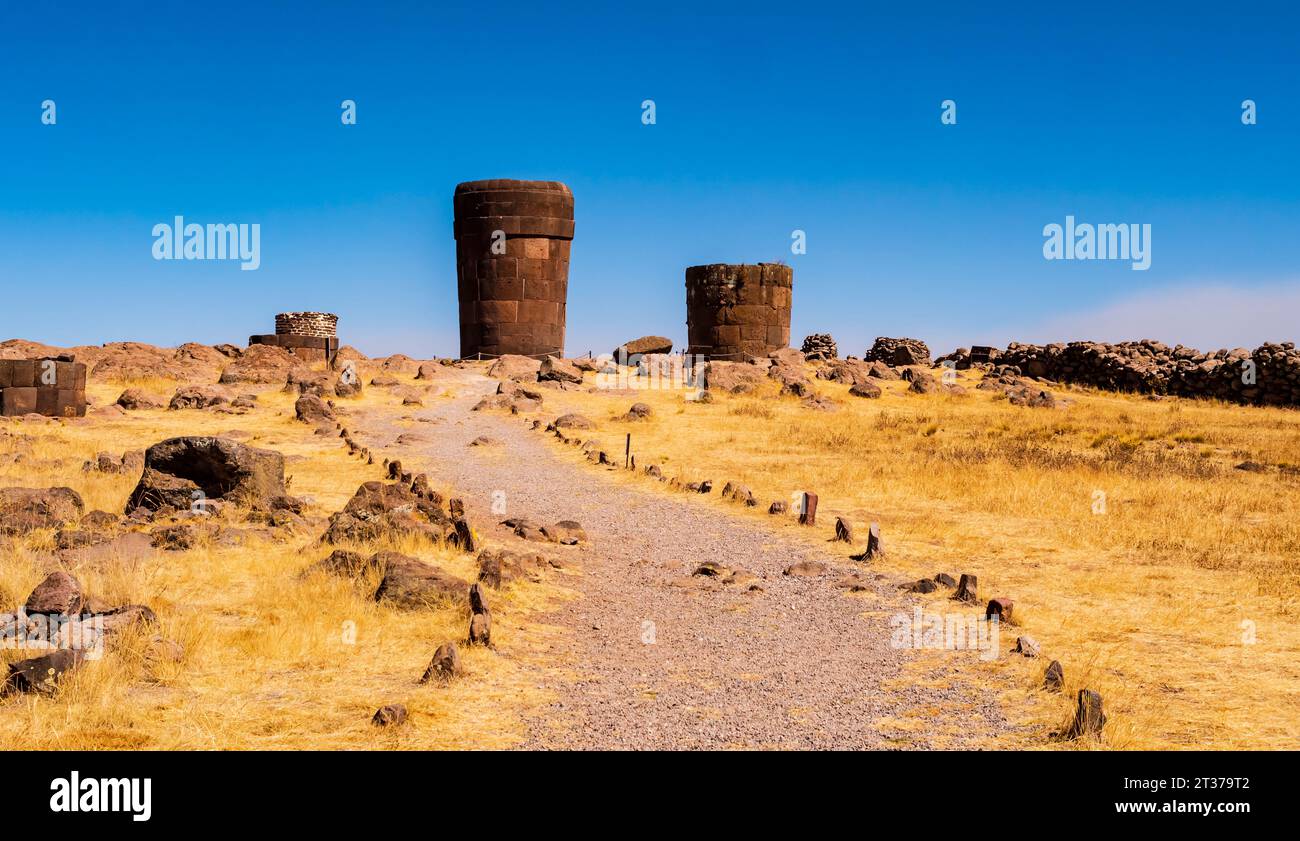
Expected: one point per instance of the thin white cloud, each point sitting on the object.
(1206, 316)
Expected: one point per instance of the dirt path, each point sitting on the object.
(799, 665)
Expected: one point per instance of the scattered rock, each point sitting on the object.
(1027, 646)
(572, 421)
(630, 353)
(865, 389)
(778, 507)
(181, 471)
(312, 409)
(412, 585)
(843, 530)
(389, 715)
(517, 368)
(1000, 608)
(60, 593)
(639, 411)
(445, 664)
(923, 585)
(198, 397)
(42, 674)
(1054, 677)
(966, 589)
(135, 399)
(558, 370)
(566, 533)
(806, 569)
(23, 510)
(946, 580)
(1088, 716)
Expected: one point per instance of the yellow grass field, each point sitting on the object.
(273, 660)
(1137, 555)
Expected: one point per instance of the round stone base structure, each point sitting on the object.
(734, 312)
(512, 266)
(311, 336)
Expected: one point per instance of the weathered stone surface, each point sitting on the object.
(312, 409)
(413, 585)
(733, 377)
(1027, 647)
(1088, 716)
(638, 411)
(865, 389)
(25, 509)
(806, 569)
(898, 352)
(199, 397)
(262, 364)
(444, 666)
(390, 715)
(134, 399)
(512, 298)
(630, 352)
(566, 533)
(843, 530)
(966, 589)
(946, 580)
(516, 368)
(572, 421)
(59, 593)
(734, 312)
(1000, 608)
(1151, 367)
(1054, 677)
(819, 346)
(42, 674)
(219, 468)
(559, 370)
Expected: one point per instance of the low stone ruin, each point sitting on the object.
(55, 387)
(898, 352)
(1268, 375)
(310, 336)
(820, 346)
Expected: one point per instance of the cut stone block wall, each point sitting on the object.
(53, 387)
(734, 312)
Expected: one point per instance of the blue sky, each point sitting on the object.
(770, 118)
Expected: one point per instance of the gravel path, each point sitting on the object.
(798, 665)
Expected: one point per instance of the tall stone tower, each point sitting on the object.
(512, 266)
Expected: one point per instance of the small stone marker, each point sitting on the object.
(1000, 608)
(1088, 717)
(1054, 677)
(843, 530)
(966, 588)
(808, 509)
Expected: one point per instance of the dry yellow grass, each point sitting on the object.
(273, 660)
(1151, 602)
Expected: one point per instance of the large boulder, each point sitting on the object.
(412, 585)
(517, 368)
(312, 409)
(218, 468)
(629, 353)
(198, 397)
(25, 509)
(559, 370)
(378, 510)
(266, 364)
(60, 593)
(735, 377)
(42, 674)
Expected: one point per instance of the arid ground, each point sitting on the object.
(1152, 547)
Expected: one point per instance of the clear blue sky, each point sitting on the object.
(771, 118)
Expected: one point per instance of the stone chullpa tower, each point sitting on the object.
(512, 266)
(734, 312)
